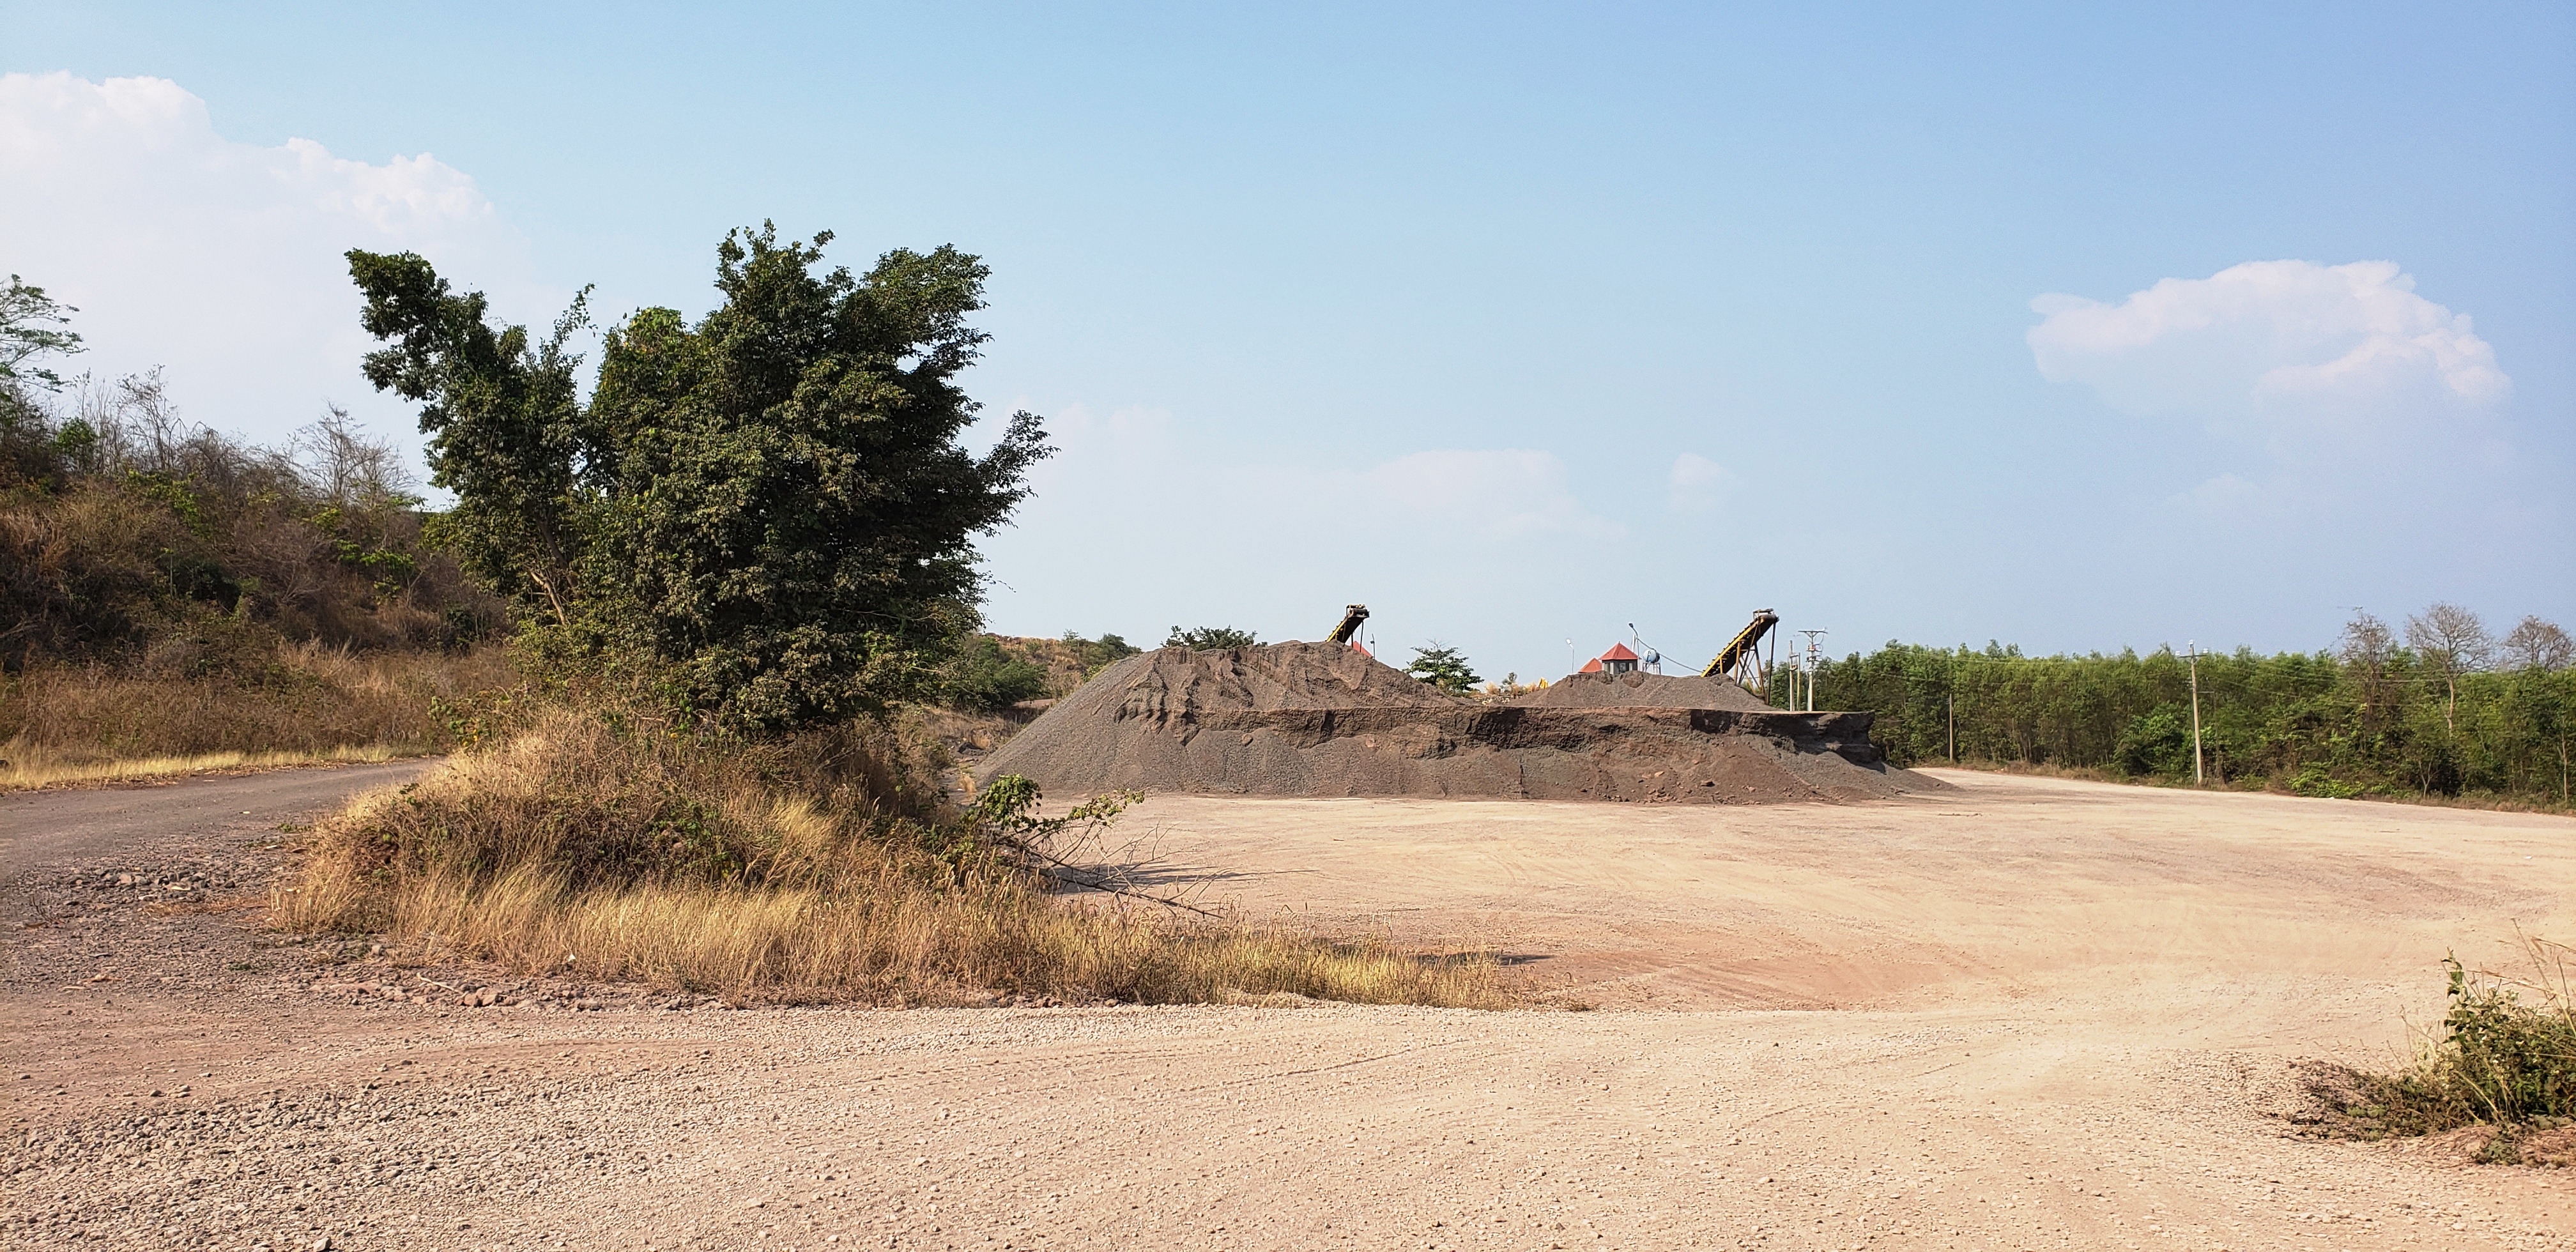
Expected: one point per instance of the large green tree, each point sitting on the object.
(507, 431)
(772, 507)
(792, 521)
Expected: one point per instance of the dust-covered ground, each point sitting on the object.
(2028, 1014)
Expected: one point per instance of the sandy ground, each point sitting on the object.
(2029, 1014)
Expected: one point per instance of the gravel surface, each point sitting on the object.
(1638, 689)
(2088, 1047)
(86, 824)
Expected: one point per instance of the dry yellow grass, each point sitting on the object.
(25, 766)
(302, 704)
(776, 872)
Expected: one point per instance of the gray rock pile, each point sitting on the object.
(1310, 719)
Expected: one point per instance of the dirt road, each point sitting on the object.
(2032, 1014)
(38, 828)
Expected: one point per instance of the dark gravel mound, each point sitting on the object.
(1641, 691)
(1305, 719)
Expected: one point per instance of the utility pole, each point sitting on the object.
(1953, 701)
(1811, 667)
(1790, 673)
(2197, 777)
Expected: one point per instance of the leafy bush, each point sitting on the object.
(2506, 1058)
(984, 678)
(2315, 781)
(1442, 666)
(2158, 742)
(1210, 638)
(1095, 655)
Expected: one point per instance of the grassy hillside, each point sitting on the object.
(171, 593)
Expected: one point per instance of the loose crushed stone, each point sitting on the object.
(1311, 719)
(1641, 691)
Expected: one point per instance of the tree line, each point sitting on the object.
(2440, 706)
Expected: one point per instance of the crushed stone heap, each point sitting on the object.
(1314, 719)
(1640, 690)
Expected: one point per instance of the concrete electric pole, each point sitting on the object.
(2197, 778)
(1812, 658)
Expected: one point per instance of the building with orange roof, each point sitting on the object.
(1618, 660)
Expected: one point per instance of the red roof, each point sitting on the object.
(1618, 652)
(1590, 667)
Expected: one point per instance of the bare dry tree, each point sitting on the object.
(143, 408)
(2366, 641)
(137, 428)
(2454, 642)
(2537, 644)
(2365, 648)
(351, 467)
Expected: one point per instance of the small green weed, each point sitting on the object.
(2315, 781)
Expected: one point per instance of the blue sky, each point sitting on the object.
(1520, 325)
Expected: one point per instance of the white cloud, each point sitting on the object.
(1504, 493)
(2332, 393)
(2287, 351)
(222, 260)
(1694, 483)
